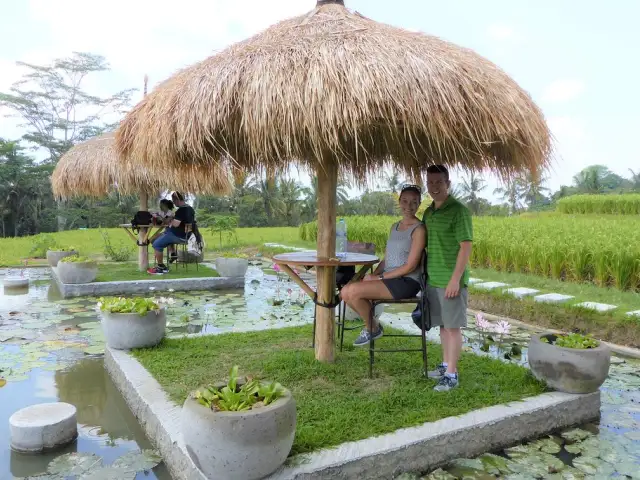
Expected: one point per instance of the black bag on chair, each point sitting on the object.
(422, 308)
(141, 218)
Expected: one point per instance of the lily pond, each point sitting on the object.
(51, 349)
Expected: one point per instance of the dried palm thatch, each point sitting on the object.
(335, 86)
(91, 168)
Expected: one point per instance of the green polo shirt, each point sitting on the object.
(447, 227)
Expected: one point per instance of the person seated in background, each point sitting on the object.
(397, 277)
(164, 217)
(175, 233)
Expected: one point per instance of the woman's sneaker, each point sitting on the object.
(446, 383)
(365, 336)
(159, 270)
(438, 372)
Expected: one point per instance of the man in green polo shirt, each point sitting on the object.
(450, 233)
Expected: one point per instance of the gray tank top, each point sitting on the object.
(398, 249)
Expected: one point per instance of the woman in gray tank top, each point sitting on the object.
(398, 275)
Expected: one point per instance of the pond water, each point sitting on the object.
(51, 350)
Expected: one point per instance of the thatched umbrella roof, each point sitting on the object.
(335, 86)
(91, 168)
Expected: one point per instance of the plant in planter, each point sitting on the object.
(132, 322)
(232, 264)
(76, 269)
(571, 363)
(257, 418)
(55, 254)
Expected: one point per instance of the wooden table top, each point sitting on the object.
(310, 259)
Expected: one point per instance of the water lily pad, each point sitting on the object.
(494, 464)
(87, 314)
(439, 474)
(633, 436)
(522, 450)
(108, 473)
(592, 465)
(575, 435)
(36, 325)
(60, 318)
(76, 309)
(75, 463)
(94, 350)
(138, 461)
(548, 445)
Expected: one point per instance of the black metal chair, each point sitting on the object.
(425, 324)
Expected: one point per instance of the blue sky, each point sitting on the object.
(578, 59)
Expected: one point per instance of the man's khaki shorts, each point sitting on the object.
(447, 312)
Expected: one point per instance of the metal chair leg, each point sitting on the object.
(313, 340)
(343, 312)
(424, 344)
(371, 341)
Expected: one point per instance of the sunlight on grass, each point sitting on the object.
(337, 402)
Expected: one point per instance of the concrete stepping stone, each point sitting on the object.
(598, 307)
(552, 298)
(473, 281)
(42, 427)
(521, 292)
(490, 285)
(635, 313)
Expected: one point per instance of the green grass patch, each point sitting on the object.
(613, 326)
(337, 402)
(584, 292)
(121, 272)
(90, 243)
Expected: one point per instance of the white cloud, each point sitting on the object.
(563, 90)
(501, 32)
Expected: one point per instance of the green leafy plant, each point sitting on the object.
(41, 244)
(141, 306)
(236, 396)
(224, 226)
(76, 259)
(120, 253)
(65, 249)
(233, 254)
(572, 340)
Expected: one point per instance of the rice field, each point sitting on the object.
(612, 204)
(600, 249)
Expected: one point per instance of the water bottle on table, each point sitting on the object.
(341, 239)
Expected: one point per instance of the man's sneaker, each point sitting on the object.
(159, 270)
(446, 383)
(365, 336)
(438, 372)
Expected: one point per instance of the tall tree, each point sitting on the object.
(55, 109)
(393, 181)
(470, 189)
(511, 193)
(533, 189)
(597, 179)
(635, 180)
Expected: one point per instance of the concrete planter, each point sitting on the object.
(245, 445)
(568, 370)
(15, 282)
(124, 331)
(54, 256)
(232, 267)
(77, 272)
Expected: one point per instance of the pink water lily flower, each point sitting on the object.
(482, 324)
(502, 327)
(276, 267)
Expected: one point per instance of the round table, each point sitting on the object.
(310, 259)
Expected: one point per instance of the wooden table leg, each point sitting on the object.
(287, 269)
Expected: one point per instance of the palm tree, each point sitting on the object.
(469, 191)
(393, 181)
(290, 192)
(512, 194)
(532, 190)
(310, 205)
(267, 192)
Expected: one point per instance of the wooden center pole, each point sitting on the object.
(326, 276)
(143, 252)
